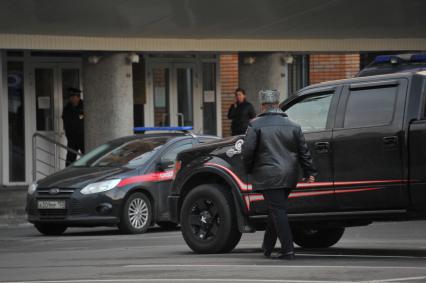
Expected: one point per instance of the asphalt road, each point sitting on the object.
(383, 252)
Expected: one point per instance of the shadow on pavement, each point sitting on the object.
(113, 231)
(345, 252)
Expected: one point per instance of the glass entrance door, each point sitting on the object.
(174, 95)
(49, 91)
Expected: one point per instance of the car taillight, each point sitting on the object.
(178, 165)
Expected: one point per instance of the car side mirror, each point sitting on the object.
(165, 165)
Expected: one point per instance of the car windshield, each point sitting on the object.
(131, 153)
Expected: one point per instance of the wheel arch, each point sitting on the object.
(212, 176)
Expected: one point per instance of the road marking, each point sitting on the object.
(182, 280)
(267, 266)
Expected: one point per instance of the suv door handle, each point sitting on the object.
(392, 140)
(322, 147)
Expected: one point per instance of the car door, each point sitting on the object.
(367, 144)
(164, 166)
(314, 111)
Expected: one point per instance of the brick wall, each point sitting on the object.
(228, 84)
(326, 67)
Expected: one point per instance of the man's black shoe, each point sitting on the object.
(266, 252)
(287, 256)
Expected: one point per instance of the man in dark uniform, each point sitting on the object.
(273, 148)
(73, 117)
(241, 112)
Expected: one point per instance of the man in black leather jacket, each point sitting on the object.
(273, 148)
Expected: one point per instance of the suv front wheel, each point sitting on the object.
(306, 237)
(207, 219)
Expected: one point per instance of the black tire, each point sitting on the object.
(167, 224)
(317, 238)
(50, 229)
(136, 216)
(208, 221)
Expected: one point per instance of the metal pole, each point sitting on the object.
(34, 158)
(55, 161)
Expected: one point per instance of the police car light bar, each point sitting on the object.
(151, 129)
(386, 59)
(418, 58)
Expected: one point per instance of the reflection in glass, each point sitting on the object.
(209, 98)
(44, 89)
(161, 82)
(184, 96)
(15, 87)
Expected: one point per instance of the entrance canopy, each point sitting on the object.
(220, 25)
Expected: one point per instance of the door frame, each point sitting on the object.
(29, 101)
(58, 130)
(173, 64)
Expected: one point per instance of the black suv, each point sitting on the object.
(367, 136)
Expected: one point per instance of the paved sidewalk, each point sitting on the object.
(12, 205)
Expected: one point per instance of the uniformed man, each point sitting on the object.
(73, 117)
(273, 148)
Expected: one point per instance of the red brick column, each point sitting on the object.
(228, 84)
(327, 67)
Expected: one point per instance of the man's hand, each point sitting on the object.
(311, 179)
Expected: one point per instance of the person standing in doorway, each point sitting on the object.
(273, 148)
(73, 117)
(241, 112)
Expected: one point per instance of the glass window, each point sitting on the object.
(44, 91)
(170, 156)
(311, 113)
(161, 82)
(131, 153)
(15, 92)
(184, 96)
(370, 106)
(209, 98)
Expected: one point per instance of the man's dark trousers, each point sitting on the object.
(277, 224)
(76, 144)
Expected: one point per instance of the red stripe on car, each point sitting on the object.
(151, 177)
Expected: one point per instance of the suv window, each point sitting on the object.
(370, 106)
(311, 112)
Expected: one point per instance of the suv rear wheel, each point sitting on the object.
(207, 219)
(317, 238)
(137, 214)
(50, 229)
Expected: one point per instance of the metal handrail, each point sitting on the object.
(56, 156)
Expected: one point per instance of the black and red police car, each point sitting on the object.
(124, 182)
(367, 136)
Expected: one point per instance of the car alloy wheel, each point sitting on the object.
(138, 213)
(136, 216)
(204, 219)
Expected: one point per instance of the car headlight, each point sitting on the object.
(100, 187)
(32, 188)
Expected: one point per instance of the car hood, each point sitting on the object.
(79, 177)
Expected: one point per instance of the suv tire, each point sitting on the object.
(50, 229)
(317, 238)
(208, 221)
(136, 216)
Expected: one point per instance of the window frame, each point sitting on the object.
(341, 113)
(305, 94)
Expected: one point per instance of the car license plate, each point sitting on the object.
(51, 204)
